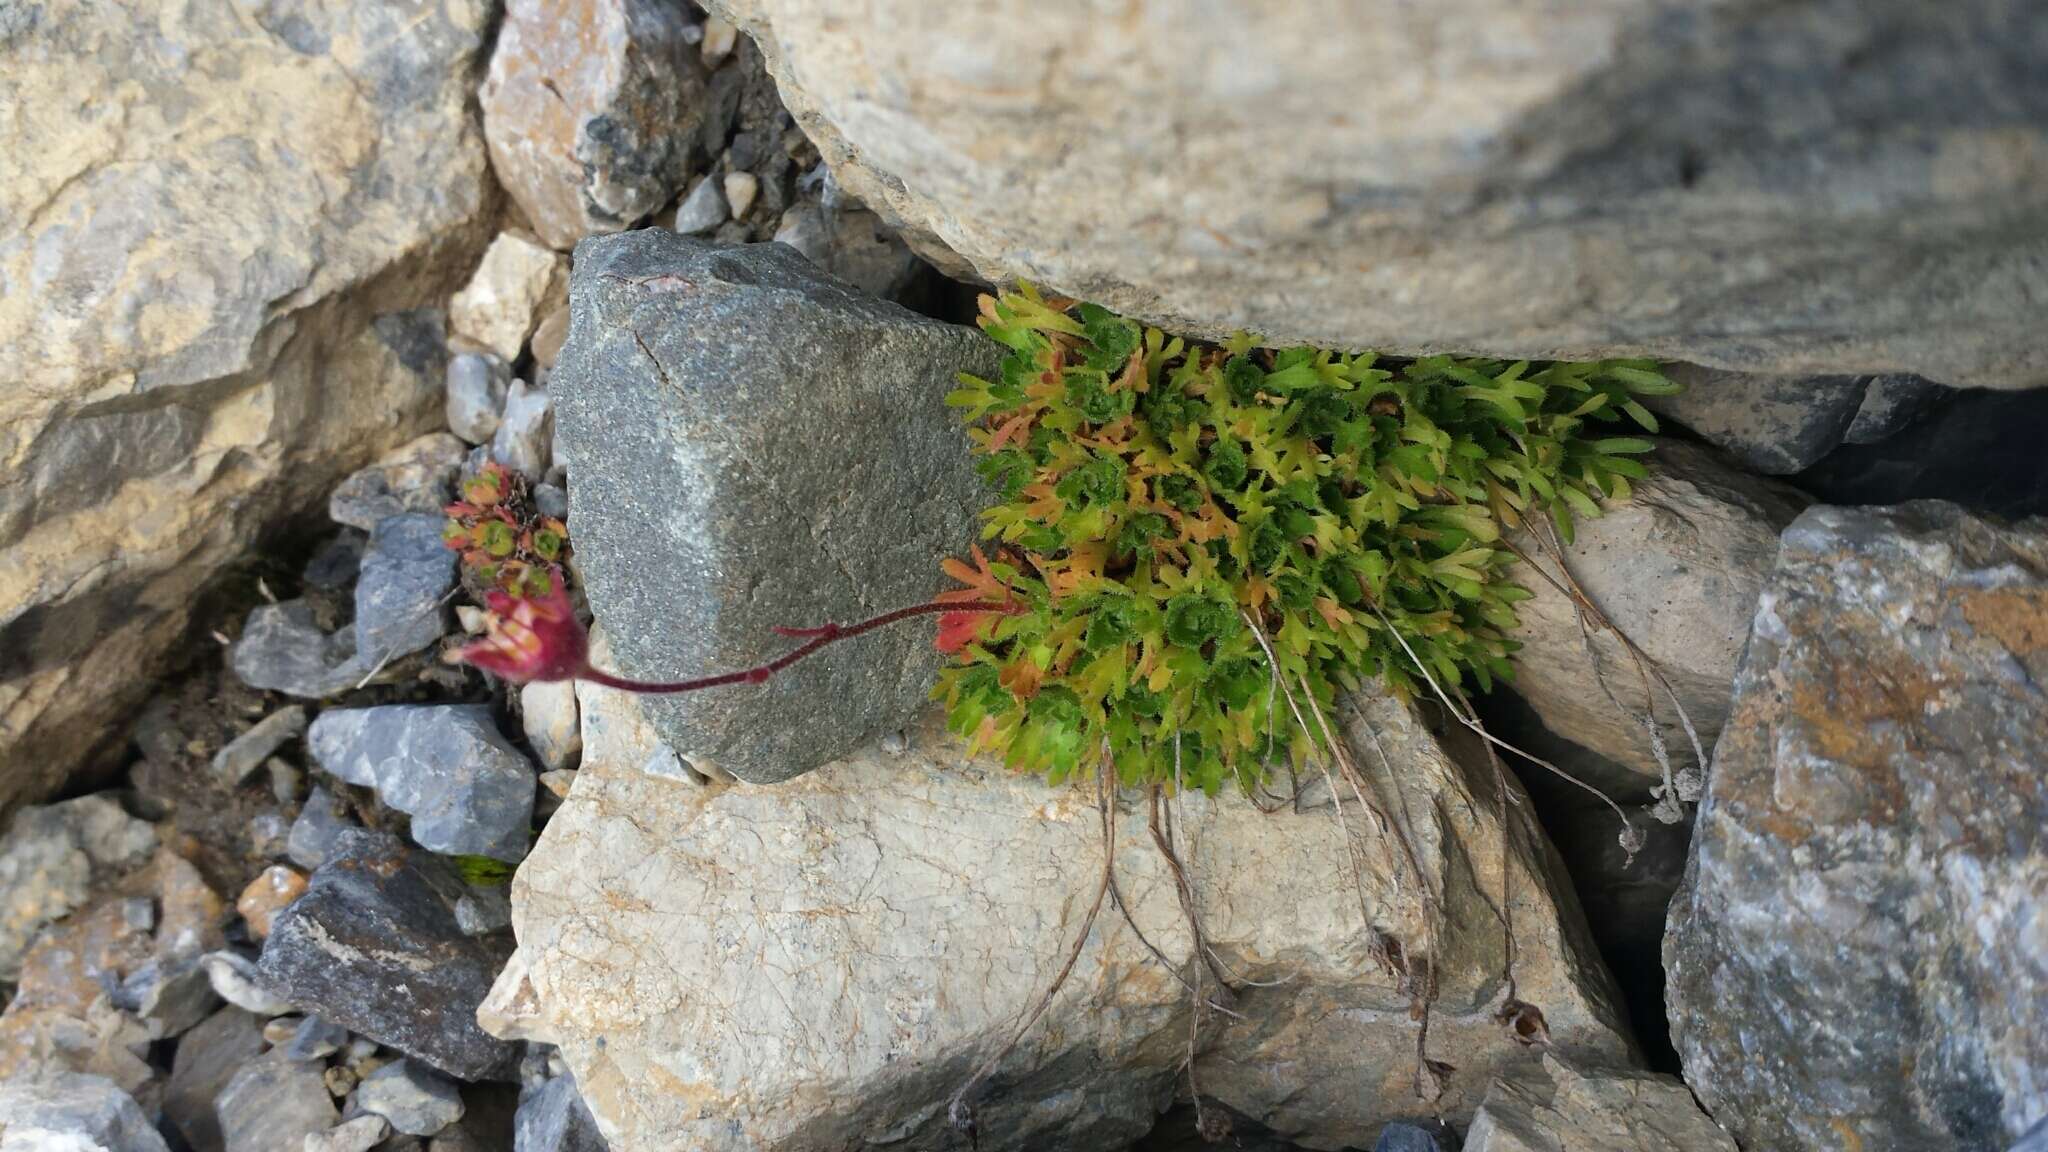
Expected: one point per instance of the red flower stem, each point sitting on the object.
(820, 637)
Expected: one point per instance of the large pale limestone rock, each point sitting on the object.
(216, 226)
(1859, 956)
(1830, 186)
(821, 963)
(1677, 567)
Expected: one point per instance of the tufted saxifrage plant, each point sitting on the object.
(1192, 532)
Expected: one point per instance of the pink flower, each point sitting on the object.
(530, 638)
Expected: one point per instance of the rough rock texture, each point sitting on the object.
(1890, 403)
(499, 306)
(50, 859)
(407, 574)
(468, 791)
(1838, 186)
(1857, 959)
(414, 477)
(1776, 425)
(207, 1058)
(373, 946)
(216, 226)
(591, 108)
(272, 1105)
(72, 1113)
(417, 1100)
(821, 963)
(553, 1118)
(1554, 1107)
(755, 444)
(282, 649)
(1677, 567)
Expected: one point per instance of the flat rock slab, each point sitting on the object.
(1772, 188)
(373, 946)
(823, 963)
(1553, 1106)
(1856, 958)
(755, 444)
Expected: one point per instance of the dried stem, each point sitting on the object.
(1473, 724)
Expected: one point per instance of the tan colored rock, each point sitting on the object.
(271, 892)
(214, 239)
(820, 963)
(740, 190)
(503, 300)
(548, 337)
(1768, 188)
(592, 108)
(1552, 1106)
(1677, 567)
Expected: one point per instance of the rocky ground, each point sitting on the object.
(257, 879)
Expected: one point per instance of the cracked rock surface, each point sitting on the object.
(823, 963)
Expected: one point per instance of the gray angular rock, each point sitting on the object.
(702, 210)
(170, 994)
(524, 441)
(755, 444)
(1728, 191)
(415, 477)
(1552, 1106)
(417, 1100)
(407, 574)
(50, 859)
(237, 980)
(1776, 425)
(71, 1112)
(242, 756)
(315, 1039)
(358, 1135)
(468, 791)
(1677, 568)
(281, 649)
(482, 911)
(476, 387)
(590, 108)
(219, 268)
(553, 1118)
(273, 1105)
(1856, 956)
(1889, 404)
(319, 826)
(207, 1058)
(373, 946)
(852, 244)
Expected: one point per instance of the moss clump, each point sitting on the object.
(1170, 509)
